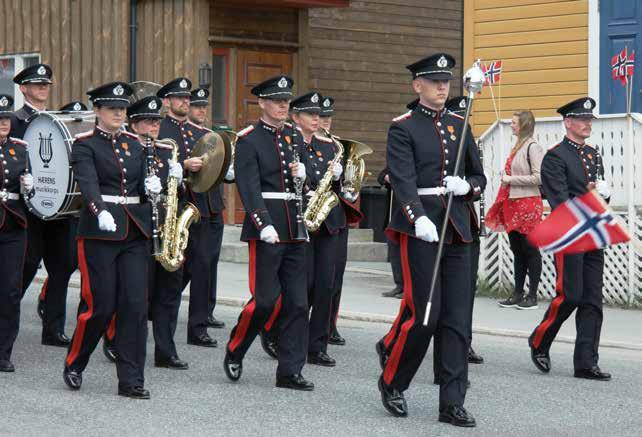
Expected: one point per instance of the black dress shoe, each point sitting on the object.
(392, 293)
(171, 363)
(542, 360)
(136, 392)
(213, 322)
(41, 308)
(474, 357)
(458, 416)
(294, 382)
(109, 350)
(233, 368)
(321, 359)
(58, 339)
(392, 400)
(593, 373)
(383, 354)
(269, 345)
(336, 339)
(203, 340)
(6, 366)
(72, 378)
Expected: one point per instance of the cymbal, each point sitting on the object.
(216, 154)
(143, 89)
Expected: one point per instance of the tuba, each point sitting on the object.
(355, 167)
(175, 230)
(324, 199)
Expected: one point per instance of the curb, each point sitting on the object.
(382, 318)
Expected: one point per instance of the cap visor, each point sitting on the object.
(285, 95)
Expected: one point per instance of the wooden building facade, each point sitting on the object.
(353, 50)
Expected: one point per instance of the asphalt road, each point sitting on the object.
(509, 397)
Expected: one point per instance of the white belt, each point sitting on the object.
(4, 196)
(275, 195)
(435, 191)
(122, 200)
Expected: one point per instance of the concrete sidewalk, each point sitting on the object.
(361, 300)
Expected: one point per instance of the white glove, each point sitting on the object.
(153, 184)
(26, 180)
(229, 176)
(269, 235)
(106, 222)
(300, 171)
(176, 170)
(336, 171)
(351, 197)
(426, 229)
(603, 189)
(456, 185)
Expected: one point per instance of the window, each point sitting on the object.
(219, 86)
(10, 65)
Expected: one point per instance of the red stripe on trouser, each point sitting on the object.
(111, 329)
(398, 348)
(43, 290)
(275, 314)
(86, 295)
(392, 334)
(248, 311)
(540, 331)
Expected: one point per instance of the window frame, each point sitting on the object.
(225, 91)
(19, 65)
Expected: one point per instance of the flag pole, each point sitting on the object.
(492, 95)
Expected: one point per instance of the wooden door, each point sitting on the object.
(253, 67)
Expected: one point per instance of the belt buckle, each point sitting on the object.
(122, 200)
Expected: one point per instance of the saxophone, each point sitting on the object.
(324, 199)
(175, 230)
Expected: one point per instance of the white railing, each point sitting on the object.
(619, 140)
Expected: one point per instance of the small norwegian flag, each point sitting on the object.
(492, 72)
(618, 63)
(579, 225)
(630, 65)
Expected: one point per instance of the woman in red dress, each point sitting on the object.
(518, 209)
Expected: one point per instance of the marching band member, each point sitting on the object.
(113, 249)
(269, 167)
(571, 169)
(48, 241)
(421, 150)
(13, 230)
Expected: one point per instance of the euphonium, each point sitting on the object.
(175, 230)
(355, 167)
(324, 199)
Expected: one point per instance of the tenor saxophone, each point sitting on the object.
(324, 199)
(175, 230)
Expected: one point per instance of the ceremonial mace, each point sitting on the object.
(473, 82)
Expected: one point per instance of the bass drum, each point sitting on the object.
(50, 136)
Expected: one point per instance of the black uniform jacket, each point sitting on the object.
(321, 151)
(567, 169)
(114, 165)
(421, 151)
(20, 120)
(263, 153)
(186, 134)
(14, 161)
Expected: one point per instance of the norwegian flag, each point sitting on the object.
(492, 72)
(578, 225)
(618, 65)
(630, 65)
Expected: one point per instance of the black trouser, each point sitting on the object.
(166, 288)
(200, 268)
(526, 259)
(54, 243)
(394, 258)
(13, 244)
(578, 286)
(275, 270)
(408, 339)
(321, 258)
(114, 280)
(342, 259)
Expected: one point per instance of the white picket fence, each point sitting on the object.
(619, 140)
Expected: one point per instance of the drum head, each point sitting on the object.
(49, 147)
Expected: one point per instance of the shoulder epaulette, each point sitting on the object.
(245, 131)
(199, 127)
(402, 116)
(455, 115)
(288, 124)
(18, 141)
(322, 138)
(130, 135)
(85, 134)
